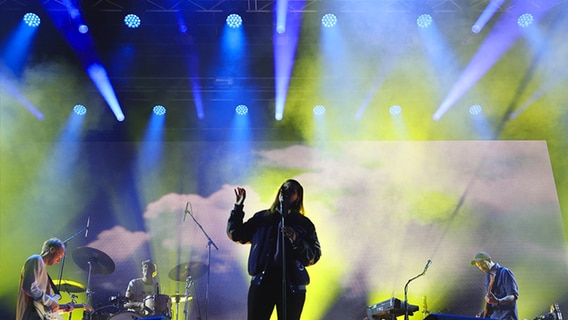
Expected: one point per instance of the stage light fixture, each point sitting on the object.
(424, 20)
(234, 20)
(83, 28)
(159, 110)
(319, 110)
(476, 28)
(475, 109)
(329, 20)
(486, 15)
(80, 110)
(395, 110)
(241, 110)
(132, 21)
(32, 20)
(525, 20)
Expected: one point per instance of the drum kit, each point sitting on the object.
(156, 306)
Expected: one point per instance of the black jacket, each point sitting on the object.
(261, 231)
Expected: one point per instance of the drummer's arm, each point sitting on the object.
(132, 304)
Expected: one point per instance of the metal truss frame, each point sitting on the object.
(265, 6)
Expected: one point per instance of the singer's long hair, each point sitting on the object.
(297, 206)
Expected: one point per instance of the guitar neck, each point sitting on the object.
(73, 305)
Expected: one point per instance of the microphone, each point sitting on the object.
(283, 205)
(186, 211)
(427, 266)
(285, 192)
(283, 198)
(87, 229)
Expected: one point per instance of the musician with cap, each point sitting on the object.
(139, 288)
(501, 288)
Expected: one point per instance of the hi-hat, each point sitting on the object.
(191, 270)
(95, 260)
(69, 286)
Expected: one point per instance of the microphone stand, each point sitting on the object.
(283, 250)
(209, 243)
(62, 264)
(406, 289)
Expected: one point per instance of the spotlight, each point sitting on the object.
(32, 20)
(83, 28)
(241, 110)
(424, 20)
(234, 21)
(525, 20)
(159, 110)
(475, 109)
(280, 29)
(80, 110)
(329, 20)
(319, 110)
(132, 21)
(476, 28)
(395, 110)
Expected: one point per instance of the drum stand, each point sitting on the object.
(88, 292)
(89, 283)
(188, 283)
(73, 301)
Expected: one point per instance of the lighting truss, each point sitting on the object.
(264, 6)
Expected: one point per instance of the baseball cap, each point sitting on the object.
(480, 256)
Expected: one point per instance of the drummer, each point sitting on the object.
(139, 288)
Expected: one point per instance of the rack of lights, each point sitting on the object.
(266, 6)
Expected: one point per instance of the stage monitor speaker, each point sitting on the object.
(441, 316)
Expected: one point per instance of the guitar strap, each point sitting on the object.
(53, 287)
(491, 281)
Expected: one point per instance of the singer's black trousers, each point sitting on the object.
(263, 297)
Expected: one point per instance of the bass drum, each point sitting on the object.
(158, 305)
(96, 316)
(126, 315)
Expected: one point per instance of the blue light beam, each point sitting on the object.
(99, 76)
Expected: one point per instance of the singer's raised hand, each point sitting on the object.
(240, 194)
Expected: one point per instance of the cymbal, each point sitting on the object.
(98, 261)
(69, 285)
(193, 270)
(180, 298)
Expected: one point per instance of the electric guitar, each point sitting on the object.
(45, 313)
(488, 307)
(555, 309)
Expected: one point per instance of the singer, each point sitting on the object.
(265, 265)
(502, 291)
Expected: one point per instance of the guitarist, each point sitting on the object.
(36, 287)
(502, 290)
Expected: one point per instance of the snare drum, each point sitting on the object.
(126, 315)
(159, 305)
